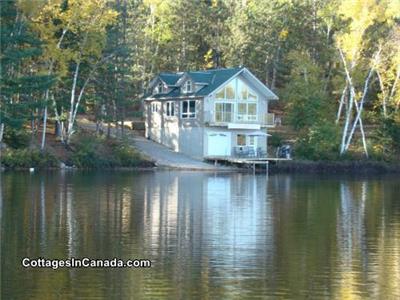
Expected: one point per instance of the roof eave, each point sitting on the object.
(173, 98)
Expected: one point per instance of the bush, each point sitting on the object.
(320, 142)
(90, 153)
(15, 138)
(275, 140)
(386, 140)
(127, 156)
(98, 152)
(27, 158)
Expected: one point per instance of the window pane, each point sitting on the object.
(252, 109)
(220, 94)
(252, 96)
(184, 106)
(251, 140)
(172, 108)
(218, 107)
(228, 117)
(241, 140)
(230, 91)
(242, 109)
(229, 107)
(242, 90)
(192, 106)
(218, 116)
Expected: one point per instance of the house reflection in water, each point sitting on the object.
(218, 220)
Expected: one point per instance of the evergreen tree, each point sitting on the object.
(22, 86)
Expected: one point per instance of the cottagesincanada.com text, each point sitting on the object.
(84, 262)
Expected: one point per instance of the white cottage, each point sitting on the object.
(212, 113)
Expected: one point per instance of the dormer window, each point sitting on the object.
(187, 86)
(160, 88)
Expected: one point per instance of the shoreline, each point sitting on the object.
(335, 167)
(285, 167)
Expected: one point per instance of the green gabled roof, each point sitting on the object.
(170, 78)
(211, 79)
(219, 77)
(201, 76)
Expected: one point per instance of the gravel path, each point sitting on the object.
(161, 155)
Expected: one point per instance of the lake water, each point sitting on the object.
(209, 236)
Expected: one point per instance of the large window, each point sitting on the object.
(236, 90)
(228, 92)
(244, 92)
(236, 102)
(188, 109)
(223, 112)
(170, 109)
(247, 111)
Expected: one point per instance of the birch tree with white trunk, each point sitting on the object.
(82, 24)
(357, 63)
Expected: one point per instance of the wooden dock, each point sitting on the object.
(246, 161)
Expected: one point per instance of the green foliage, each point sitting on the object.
(319, 142)
(20, 83)
(275, 140)
(391, 128)
(307, 101)
(97, 152)
(15, 138)
(28, 158)
(292, 46)
(386, 139)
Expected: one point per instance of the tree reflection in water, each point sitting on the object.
(209, 235)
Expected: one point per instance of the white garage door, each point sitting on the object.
(219, 144)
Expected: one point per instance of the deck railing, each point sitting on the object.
(223, 118)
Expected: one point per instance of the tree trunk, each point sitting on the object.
(44, 122)
(1, 141)
(343, 98)
(358, 117)
(44, 129)
(72, 103)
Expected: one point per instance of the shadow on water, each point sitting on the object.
(208, 235)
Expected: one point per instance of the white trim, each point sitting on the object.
(185, 84)
(171, 105)
(263, 88)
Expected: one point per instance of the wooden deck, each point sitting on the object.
(246, 161)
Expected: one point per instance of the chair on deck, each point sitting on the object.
(261, 152)
(251, 152)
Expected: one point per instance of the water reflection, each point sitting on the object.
(208, 235)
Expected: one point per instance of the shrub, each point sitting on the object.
(27, 158)
(98, 152)
(275, 140)
(320, 142)
(90, 153)
(15, 138)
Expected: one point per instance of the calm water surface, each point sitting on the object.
(209, 236)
